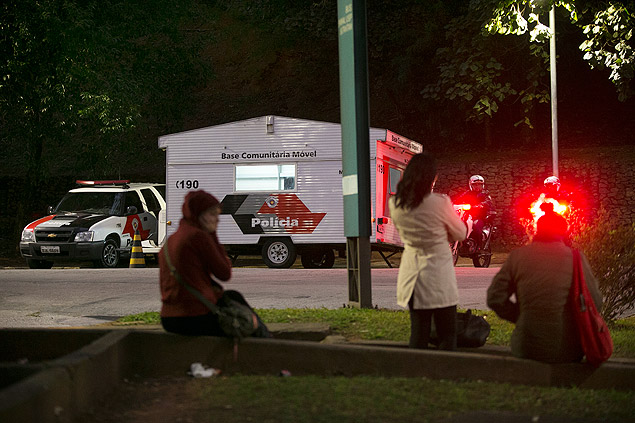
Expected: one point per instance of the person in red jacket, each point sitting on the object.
(201, 260)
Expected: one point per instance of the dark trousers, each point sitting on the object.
(421, 325)
(477, 231)
(207, 324)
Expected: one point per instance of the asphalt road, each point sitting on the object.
(83, 296)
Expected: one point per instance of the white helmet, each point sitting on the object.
(552, 181)
(476, 179)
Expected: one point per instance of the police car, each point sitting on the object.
(97, 222)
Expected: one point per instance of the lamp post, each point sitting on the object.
(554, 91)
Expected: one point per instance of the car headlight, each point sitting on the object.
(27, 236)
(84, 236)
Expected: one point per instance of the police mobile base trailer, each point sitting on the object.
(279, 180)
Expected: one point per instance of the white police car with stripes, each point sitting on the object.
(96, 222)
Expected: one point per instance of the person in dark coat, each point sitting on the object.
(201, 261)
(539, 276)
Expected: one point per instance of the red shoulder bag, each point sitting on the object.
(592, 329)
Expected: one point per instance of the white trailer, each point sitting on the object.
(279, 180)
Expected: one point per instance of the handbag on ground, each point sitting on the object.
(471, 330)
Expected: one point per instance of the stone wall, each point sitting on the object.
(596, 177)
(604, 177)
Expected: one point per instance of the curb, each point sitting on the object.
(69, 370)
(299, 331)
(60, 388)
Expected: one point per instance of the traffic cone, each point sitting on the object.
(137, 259)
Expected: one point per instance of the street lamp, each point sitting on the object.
(554, 92)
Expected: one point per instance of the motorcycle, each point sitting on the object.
(481, 255)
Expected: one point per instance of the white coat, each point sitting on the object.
(426, 263)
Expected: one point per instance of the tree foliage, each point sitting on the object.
(481, 73)
(43, 93)
(85, 88)
(607, 25)
(610, 249)
(80, 80)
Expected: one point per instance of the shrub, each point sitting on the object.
(610, 248)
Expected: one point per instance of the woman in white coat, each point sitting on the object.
(427, 223)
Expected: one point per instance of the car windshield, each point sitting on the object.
(109, 203)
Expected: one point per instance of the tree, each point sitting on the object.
(479, 71)
(608, 27)
(78, 78)
(44, 95)
(610, 249)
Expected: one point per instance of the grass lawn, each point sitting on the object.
(363, 399)
(394, 325)
(293, 399)
(271, 398)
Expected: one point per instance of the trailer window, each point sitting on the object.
(395, 177)
(265, 177)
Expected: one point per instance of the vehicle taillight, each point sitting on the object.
(537, 212)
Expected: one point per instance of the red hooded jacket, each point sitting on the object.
(198, 256)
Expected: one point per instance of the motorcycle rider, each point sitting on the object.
(480, 206)
(572, 205)
(553, 188)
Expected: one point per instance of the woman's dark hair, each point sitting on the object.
(417, 181)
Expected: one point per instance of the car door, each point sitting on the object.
(146, 218)
(153, 207)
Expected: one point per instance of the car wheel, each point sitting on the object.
(109, 255)
(279, 253)
(39, 264)
(318, 258)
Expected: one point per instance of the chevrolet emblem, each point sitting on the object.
(51, 235)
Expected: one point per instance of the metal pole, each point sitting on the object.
(554, 91)
(362, 275)
(355, 148)
(358, 272)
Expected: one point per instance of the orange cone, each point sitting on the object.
(137, 258)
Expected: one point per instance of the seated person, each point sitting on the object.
(200, 259)
(539, 275)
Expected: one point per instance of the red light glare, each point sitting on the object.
(537, 212)
(110, 182)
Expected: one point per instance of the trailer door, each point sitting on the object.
(391, 163)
